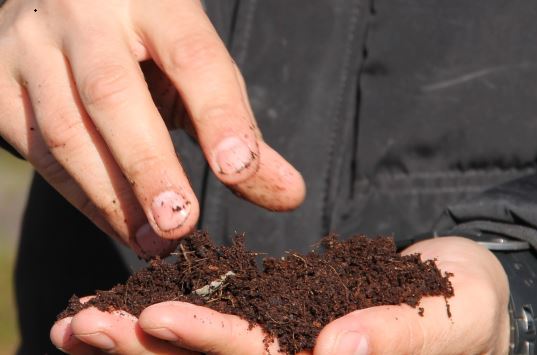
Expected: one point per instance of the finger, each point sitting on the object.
(61, 335)
(182, 40)
(19, 127)
(118, 332)
(114, 94)
(202, 329)
(399, 331)
(276, 186)
(63, 338)
(74, 142)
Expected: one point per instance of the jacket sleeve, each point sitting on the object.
(509, 210)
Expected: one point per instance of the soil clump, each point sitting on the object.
(292, 298)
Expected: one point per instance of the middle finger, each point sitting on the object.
(78, 147)
(115, 95)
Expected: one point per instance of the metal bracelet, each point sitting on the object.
(523, 331)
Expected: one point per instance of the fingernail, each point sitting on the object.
(232, 156)
(170, 210)
(351, 343)
(99, 340)
(151, 243)
(163, 333)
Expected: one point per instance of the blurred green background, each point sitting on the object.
(15, 178)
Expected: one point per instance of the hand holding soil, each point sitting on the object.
(479, 319)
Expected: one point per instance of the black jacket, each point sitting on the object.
(403, 116)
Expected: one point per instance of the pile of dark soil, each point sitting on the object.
(293, 297)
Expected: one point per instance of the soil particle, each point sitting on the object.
(292, 298)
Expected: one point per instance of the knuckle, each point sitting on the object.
(106, 85)
(63, 129)
(193, 52)
(219, 114)
(21, 27)
(143, 163)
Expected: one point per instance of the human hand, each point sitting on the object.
(75, 103)
(479, 323)
(193, 330)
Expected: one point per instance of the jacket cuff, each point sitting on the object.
(508, 210)
(505, 234)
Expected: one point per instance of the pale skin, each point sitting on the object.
(76, 103)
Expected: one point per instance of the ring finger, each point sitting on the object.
(114, 93)
(75, 144)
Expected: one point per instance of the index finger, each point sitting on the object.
(184, 43)
(203, 329)
(115, 95)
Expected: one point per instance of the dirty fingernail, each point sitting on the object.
(99, 340)
(163, 333)
(232, 156)
(170, 210)
(151, 243)
(351, 343)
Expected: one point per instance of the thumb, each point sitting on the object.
(380, 330)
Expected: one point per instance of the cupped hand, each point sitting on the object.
(479, 322)
(77, 105)
(165, 328)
